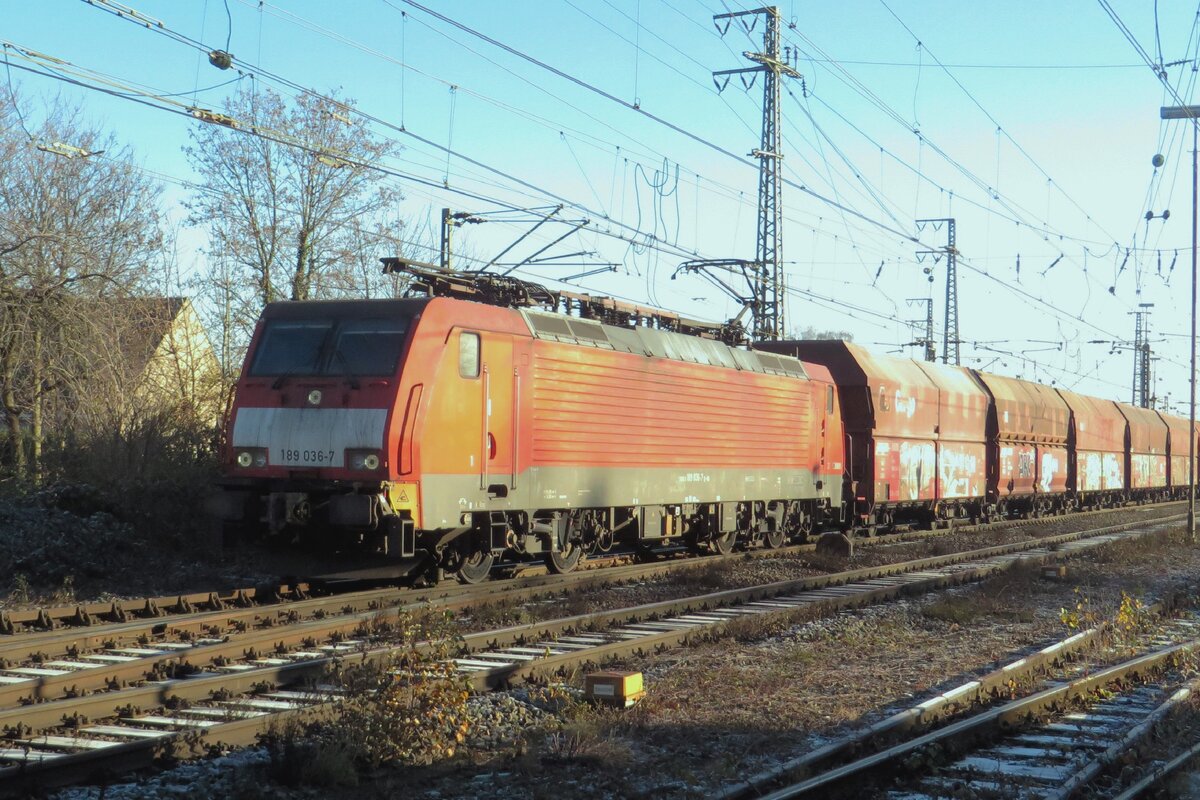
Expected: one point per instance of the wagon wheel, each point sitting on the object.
(564, 560)
(476, 567)
(773, 538)
(723, 544)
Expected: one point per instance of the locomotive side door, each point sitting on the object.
(499, 414)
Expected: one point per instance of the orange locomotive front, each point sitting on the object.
(465, 433)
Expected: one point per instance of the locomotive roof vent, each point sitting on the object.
(551, 325)
(584, 329)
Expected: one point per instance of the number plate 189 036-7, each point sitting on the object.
(296, 457)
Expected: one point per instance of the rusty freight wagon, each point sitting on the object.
(1146, 463)
(1097, 443)
(1028, 426)
(1177, 452)
(915, 432)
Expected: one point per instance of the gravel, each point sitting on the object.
(228, 776)
(736, 573)
(42, 544)
(503, 718)
(726, 709)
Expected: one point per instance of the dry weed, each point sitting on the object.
(586, 739)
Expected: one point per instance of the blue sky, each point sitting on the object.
(1068, 174)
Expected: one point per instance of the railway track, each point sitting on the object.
(61, 728)
(1079, 716)
(59, 629)
(46, 666)
(1061, 758)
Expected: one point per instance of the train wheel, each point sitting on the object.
(723, 544)
(773, 539)
(476, 567)
(564, 560)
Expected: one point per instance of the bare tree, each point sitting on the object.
(356, 270)
(75, 222)
(285, 213)
(815, 333)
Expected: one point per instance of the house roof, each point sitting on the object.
(144, 323)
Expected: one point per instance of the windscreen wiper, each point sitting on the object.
(346, 372)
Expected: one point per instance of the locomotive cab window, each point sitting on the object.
(290, 347)
(351, 347)
(468, 355)
(367, 346)
(828, 399)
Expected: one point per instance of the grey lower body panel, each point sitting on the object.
(445, 498)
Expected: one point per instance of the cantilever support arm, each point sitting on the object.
(525, 261)
(522, 237)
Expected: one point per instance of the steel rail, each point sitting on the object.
(984, 689)
(81, 637)
(1116, 750)
(710, 615)
(47, 714)
(28, 779)
(1156, 775)
(19, 647)
(85, 614)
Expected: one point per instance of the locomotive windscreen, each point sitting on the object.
(353, 347)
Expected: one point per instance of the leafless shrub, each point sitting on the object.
(411, 708)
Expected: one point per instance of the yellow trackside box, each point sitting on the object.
(614, 688)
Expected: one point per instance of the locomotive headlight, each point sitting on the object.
(314, 397)
(252, 457)
(363, 460)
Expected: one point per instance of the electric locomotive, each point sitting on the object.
(465, 434)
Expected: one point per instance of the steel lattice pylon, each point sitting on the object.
(1141, 357)
(950, 347)
(767, 285)
(927, 342)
